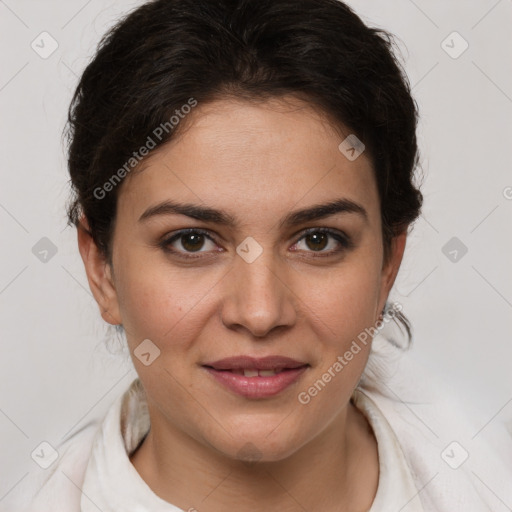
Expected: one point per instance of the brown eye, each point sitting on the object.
(317, 240)
(191, 241)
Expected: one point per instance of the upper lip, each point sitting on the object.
(261, 363)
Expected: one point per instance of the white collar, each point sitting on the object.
(111, 482)
(396, 489)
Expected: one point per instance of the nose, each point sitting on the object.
(258, 297)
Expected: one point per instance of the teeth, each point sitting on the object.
(253, 372)
(267, 373)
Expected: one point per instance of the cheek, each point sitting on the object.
(347, 301)
(345, 311)
(155, 298)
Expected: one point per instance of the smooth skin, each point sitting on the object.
(305, 297)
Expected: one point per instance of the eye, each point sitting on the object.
(317, 239)
(191, 240)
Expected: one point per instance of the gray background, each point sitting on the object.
(59, 369)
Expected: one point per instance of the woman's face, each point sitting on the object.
(256, 286)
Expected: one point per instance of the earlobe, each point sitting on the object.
(99, 275)
(391, 267)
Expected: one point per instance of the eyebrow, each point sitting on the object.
(206, 214)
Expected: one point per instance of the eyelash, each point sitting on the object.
(345, 241)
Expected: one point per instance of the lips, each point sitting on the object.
(256, 377)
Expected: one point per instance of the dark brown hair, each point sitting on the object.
(165, 52)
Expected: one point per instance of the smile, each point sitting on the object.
(256, 377)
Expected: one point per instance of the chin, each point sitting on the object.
(258, 447)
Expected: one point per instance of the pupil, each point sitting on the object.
(317, 237)
(197, 241)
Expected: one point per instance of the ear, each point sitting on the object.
(390, 268)
(99, 275)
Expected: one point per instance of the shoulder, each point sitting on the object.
(58, 487)
(455, 462)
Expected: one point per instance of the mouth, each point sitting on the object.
(254, 372)
(256, 378)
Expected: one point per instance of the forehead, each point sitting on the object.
(255, 156)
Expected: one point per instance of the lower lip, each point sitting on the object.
(257, 387)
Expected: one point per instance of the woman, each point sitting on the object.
(243, 178)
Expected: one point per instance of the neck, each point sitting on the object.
(338, 470)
